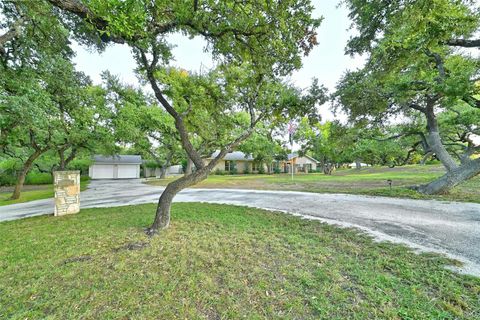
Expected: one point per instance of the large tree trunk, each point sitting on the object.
(358, 164)
(163, 169)
(435, 141)
(21, 177)
(451, 178)
(162, 217)
(163, 172)
(188, 169)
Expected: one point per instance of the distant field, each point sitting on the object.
(369, 181)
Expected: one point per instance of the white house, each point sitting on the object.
(359, 165)
(116, 167)
(301, 163)
(234, 161)
(156, 172)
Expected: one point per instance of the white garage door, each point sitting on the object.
(127, 171)
(103, 171)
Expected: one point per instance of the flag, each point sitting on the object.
(292, 127)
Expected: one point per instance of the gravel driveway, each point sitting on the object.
(447, 227)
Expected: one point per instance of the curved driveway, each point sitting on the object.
(446, 227)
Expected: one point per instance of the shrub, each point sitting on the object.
(81, 164)
(276, 170)
(234, 171)
(38, 178)
(247, 169)
(219, 172)
(7, 180)
(261, 169)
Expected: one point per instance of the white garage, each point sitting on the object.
(115, 167)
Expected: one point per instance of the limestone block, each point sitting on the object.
(67, 192)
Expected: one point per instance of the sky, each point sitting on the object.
(326, 62)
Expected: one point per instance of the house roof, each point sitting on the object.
(233, 156)
(118, 159)
(291, 156)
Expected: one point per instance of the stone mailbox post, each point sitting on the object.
(67, 192)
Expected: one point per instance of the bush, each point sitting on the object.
(261, 169)
(81, 164)
(219, 172)
(39, 178)
(276, 170)
(247, 169)
(234, 171)
(7, 180)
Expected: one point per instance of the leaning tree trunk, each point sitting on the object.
(164, 168)
(452, 178)
(188, 169)
(21, 178)
(435, 141)
(163, 172)
(358, 164)
(162, 216)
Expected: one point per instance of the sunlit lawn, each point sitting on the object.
(42, 192)
(369, 181)
(218, 262)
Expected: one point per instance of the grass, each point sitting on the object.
(218, 262)
(36, 193)
(368, 181)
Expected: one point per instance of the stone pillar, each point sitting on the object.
(67, 192)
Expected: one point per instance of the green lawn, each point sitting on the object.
(369, 181)
(218, 262)
(40, 192)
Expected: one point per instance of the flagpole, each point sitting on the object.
(291, 130)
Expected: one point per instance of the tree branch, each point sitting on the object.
(466, 43)
(13, 32)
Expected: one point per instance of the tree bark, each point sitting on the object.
(451, 179)
(435, 141)
(188, 169)
(358, 164)
(21, 177)
(162, 217)
(163, 172)
(328, 168)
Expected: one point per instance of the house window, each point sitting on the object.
(255, 166)
(229, 166)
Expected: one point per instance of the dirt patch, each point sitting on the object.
(132, 246)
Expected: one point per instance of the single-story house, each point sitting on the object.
(236, 161)
(361, 164)
(300, 163)
(156, 172)
(115, 167)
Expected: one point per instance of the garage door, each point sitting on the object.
(127, 171)
(102, 171)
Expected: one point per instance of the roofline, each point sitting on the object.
(210, 158)
(101, 162)
(312, 158)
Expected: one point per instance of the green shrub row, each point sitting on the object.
(32, 178)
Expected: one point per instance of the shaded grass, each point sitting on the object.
(42, 192)
(218, 262)
(368, 181)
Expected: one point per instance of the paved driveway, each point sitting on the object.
(452, 228)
